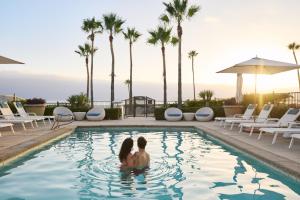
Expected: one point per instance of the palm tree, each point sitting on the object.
(132, 35)
(92, 26)
(179, 10)
(85, 51)
(113, 25)
(293, 46)
(162, 35)
(191, 55)
(127, 83)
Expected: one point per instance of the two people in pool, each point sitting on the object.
(139, 159)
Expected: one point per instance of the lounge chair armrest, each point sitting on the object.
(272, 119)
(32, 114)
(293, 124)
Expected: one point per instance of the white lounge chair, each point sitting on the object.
(293, 137)
(262, 117)
(204, 114)
(95, 114)
(290, 116)
(9, 117)
(62, 116)
(247, 115)
(286, 132)
(19, 107)
(173, 114)
(3, 125)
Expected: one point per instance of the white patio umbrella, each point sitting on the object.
(257, 66)
(4, 60)
(239, 86)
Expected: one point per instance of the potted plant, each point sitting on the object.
(231, 108)
(35, 105)
(79, 105)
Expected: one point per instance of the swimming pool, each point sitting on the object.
(185, 164)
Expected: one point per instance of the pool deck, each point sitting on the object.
(277, 155)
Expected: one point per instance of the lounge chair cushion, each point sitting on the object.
(93, 114)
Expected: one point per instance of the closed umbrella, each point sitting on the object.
(239, 87)
(4, 60)
(258, 66)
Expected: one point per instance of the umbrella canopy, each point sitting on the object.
(257, 66)
(4, 60)
(260, 66)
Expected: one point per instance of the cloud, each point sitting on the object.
(56, 88)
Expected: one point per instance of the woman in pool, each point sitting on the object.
(125, 155)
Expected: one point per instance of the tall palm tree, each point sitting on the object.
(162, 35)
(92, 27)
(113, 25)
(293, 46)
(178, 10)
(131, 35)
(191, 55)
(85, 52)
(127, 83)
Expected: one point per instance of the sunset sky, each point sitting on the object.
(44, 35)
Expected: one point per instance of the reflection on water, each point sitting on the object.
(185, 164)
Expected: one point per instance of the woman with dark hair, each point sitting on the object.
(125, 156)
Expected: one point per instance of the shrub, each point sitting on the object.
(159, 113)
(262, 99)
(49, 110)
(230, 101)
(278, 111)
(113, 113)
(35, 101)
(78, 103)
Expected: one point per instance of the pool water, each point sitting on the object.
(186, 163)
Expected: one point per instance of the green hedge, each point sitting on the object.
(49, 110)
(113, 113)
(159, 113)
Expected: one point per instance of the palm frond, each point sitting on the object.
(164, 18)
(192, 11)
(174, 41)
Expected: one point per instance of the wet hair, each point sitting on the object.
(141, 142)
(125, 149)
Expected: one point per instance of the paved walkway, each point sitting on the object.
(278, 154)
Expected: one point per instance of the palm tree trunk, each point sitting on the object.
(164, 74)
(92, 74)
(87, 78)
(193, 78)
(179, 33)
(112, 86)
(297, 69)
(130, 85)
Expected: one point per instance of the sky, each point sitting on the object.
(44, 35)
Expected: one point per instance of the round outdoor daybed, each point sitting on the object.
(173, 114)
(95, 114)
(204, 114)
(63, 114)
